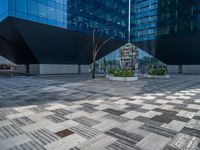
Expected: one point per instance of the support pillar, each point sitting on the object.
(180, 69)
(27, 69)
(79, 69)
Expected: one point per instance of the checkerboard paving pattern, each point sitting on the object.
(76, 113)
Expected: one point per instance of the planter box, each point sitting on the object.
(110, 77)
(157, 76)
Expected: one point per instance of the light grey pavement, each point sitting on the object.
(74, 112)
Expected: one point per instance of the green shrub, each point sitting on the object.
(158, 71)
(121, 72)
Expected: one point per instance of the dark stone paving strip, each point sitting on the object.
(116, 118)
(56, 118)
(133, 106)
(61, 111)
(9, 131)
(22, 121)
(191, 131)
(152, 102)
(159, 130)
(74, 148)
(89, 105)
(43, 136)
(85, 131)
(114, 112)
(86, 121)
(164, 118)
(28, 146)
(141, 110)
(128, 137)
(2, 118)
(7, 111)
(186, 109)
(165, 111)
(122, 145)
(88, 109)
(147, 120)
(179, 118)
(196, 117)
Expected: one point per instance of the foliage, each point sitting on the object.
(121, 72)
(158, 71)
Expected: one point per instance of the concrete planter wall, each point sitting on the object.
(157, 76)
(110, 77)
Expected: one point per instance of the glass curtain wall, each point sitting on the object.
(83, 15)
(110, 16)
(153, 19)
(51, 12)
(144, 18)
(3, 9)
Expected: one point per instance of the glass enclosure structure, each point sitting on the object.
(81, 15)
(144, 61)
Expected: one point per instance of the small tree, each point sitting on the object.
(96, 48)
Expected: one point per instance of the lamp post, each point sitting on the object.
(96, 48)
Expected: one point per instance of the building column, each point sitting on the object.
(180, 69)
(79, 69)
(27, 69)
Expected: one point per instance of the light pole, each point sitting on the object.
(96, 48)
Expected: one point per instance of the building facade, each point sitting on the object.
(167, 29)
(60, 31)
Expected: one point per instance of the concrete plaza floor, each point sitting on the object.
(74, 112)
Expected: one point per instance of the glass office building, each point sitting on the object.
(77, 19)
(167, 29)
(82, 15)
(152, 19)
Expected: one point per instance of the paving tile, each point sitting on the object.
(147, 120)
(99, 142)
(66, 143)
(14, 141)
(22, 121)
(43, 136)
(61, 126)
(175, 125)
(106, 124)
(186, 114)
(131, 114)
(9, 131)
(85, 131)
(153, 142)
(151, 114)
(183, 142)
(114, 112)
(159, 130)
(87, 115)
(88, 109)
(86, 121)
(122, 145)
(131, 125)
(191, 131)
(164, 118)
(115, 118)
(122, 135)
(56, 118)
(29, 145)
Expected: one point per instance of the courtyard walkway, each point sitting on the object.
(76, 113)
